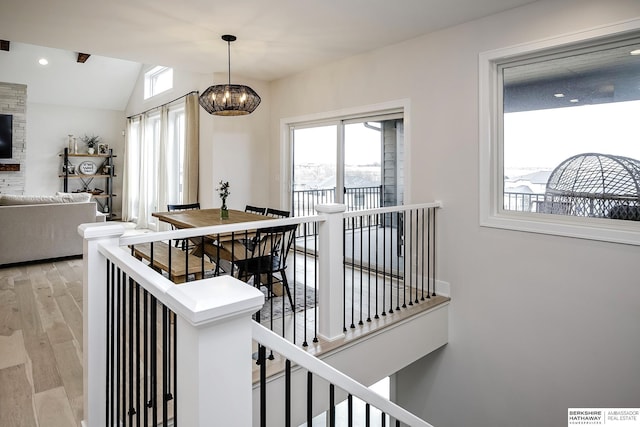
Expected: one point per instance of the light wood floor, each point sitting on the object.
(41, 344)
(41, 341)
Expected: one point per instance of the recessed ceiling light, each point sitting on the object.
(559, 95)
(635, 52)
(574, 100)
(43, 61)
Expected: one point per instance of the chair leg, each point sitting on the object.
(285, 282)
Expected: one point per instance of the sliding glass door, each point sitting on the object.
(355, 161)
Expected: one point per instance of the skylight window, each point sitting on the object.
(157, 80)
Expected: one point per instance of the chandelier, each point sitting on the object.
(228, 99)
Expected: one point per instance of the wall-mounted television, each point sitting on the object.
(6, 136)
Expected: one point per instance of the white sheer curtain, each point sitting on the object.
(159, 163)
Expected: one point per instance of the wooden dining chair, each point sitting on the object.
(182, 207)
(268, 262)
(255, 209)
(276, 213)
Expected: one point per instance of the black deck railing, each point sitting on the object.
(141, 355)
(522, 202)
(355, 198)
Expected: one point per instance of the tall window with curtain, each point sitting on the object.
(161, 161)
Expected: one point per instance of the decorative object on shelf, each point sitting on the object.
(87, 168)
(228, 99)
(91, 142)
(103, 149)
(69, 169)
(71, 144)
(223, 192)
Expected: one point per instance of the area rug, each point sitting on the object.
(277, 309)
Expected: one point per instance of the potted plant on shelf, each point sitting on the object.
(91, 142)
(223, 192)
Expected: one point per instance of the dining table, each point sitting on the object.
(228, 247)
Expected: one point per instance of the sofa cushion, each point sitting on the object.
(18, 199)
(74, 197)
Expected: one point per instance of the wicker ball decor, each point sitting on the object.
(595, 185)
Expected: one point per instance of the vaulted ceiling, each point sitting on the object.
(275, 38)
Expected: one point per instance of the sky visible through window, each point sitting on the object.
(542, 139)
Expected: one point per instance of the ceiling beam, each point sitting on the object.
(82, 57)
(4, 45)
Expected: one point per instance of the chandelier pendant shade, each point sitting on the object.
(228, 99)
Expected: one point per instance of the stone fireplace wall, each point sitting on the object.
(13, 100)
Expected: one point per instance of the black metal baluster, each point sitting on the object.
(145, 356)
(344, 275)
(417, 240)
(407, 257)
(383, 420)
(116, 346)
(369, 269)
(332, 406)
(309, 398)
(304, 341)
(423, 257)
(315, 287)
(376, 269)
(353, 271)
(122, 348)
(410, 269)
(429, 254)
(165, 364)
(287, 393)
(384, 264)
(109, 334)
(153, 348)
(367, 415)
(131, 411)
(361, 267)
(434, 252)
(175, 369)
(262, 353)
(186, 260)
(391, 246)
(137, 358)
(401, 248)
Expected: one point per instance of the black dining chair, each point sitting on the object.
(268, 263)
(255, 210)
(182, 207)
(277, 213)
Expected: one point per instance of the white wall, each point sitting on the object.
(48, 127)
(236, 149)
(538, 323)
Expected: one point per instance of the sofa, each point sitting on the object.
(43, 227)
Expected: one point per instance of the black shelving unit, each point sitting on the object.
(104, 172)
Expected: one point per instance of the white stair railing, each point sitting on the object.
(333, 376)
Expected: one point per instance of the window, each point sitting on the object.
(155, 164)
(559, 150)
(361, 156)
(157, 80)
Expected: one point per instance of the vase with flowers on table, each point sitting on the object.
(223, 192)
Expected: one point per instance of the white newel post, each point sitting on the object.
(214, 385)
(331, 278)
(94, 319)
